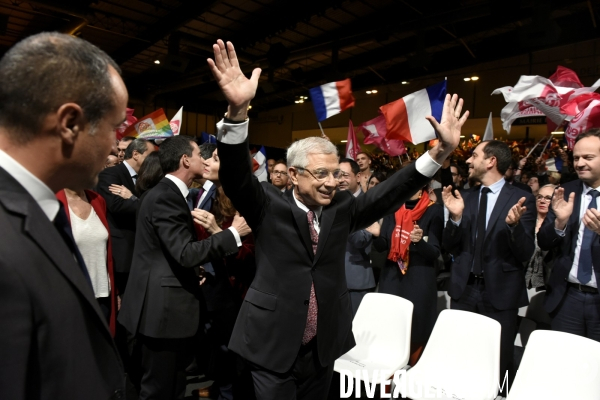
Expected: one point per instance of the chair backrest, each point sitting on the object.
(558, 365)
(382, 326)
(463, 348)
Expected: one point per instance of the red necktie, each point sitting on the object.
(310, 331)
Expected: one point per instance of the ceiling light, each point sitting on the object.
(462, 136)
(474, 78)
(374, 91)
(343, 141)
(156, 61)
(297, 101)
(301, 101)
(304, 97)
(249, 107)
(557, 133)
(405, 82)
(467, 79)
(368, 92)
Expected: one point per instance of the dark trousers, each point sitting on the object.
(163, 367)
(307, 379)
(475, 299)
(578, 313)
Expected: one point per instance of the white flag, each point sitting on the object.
(489, 130)
(177, 121)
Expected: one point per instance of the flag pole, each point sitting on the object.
(322, 131)
(536, 145)
(400, 159)
(547, 143)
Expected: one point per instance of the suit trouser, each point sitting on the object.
(475, 299)
(307, 379)
(163, 367)
(578, 313)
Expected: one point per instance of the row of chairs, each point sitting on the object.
(461, 359)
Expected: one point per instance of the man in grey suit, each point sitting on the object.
(359, 273)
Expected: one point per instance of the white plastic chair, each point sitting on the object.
(381, 328)
(558, 365)
(460, 361)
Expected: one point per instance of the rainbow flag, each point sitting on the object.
(152, 126)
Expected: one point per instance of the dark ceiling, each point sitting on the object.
(299, 44)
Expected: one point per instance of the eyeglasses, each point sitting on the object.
(546, 199)
(279, 173)
(321, 174)
(454, 174)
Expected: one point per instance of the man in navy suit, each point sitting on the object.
(491, 235)
(296, 318)
(572, 227)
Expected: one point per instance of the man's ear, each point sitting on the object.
(293, 174)
(185, 161)
(70, 122)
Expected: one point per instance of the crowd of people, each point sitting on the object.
(123, 273)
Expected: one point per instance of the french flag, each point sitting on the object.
(261, 159)
(332, 98)
(405, 117)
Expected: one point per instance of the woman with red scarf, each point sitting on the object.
(412, 238)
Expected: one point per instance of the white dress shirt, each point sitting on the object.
(206, 187)
(131, 171)
(40, 192)
(492, 197)
(585, 201)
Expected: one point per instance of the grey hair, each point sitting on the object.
(139, 145)
(549, 185)
(297, 153)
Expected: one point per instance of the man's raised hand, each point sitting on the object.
(237, 89)
(449, 128)
(455, 205)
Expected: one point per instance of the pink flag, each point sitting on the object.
(587, 117)
(375, 131)
(352, 147)
(129, 120)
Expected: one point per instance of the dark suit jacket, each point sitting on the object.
(505, 250)
(359, 273)
(548, 239)
(163, 293)
(522, 186)
(271, 322)
(121, 214)
(54, 340)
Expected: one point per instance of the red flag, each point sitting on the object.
(565, 77)
(352, 147)
(587, 118)
(375, 131)
(130, 120)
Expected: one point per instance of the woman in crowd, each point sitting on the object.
(376, 178)
(149, 175)
(410, 271)
(227, 281)
(534, 184)
(86, 211)
(538, 268)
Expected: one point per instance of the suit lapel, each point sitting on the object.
(504, 199)
(208, 199)
(301, 223)
(37, 226)
(127, 179)
(327, 217)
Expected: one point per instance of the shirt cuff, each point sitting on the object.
(236, 235)
(232, 133)
(455, 223)
(427, 166)
(560, 232)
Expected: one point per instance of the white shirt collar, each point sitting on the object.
(130, 168)
(497, 186)
(358, 192)
(301, 206)
(180, 184)
(587, 188)
(207, 185)
(40, 192)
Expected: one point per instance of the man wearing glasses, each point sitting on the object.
(296, 319)
(279, 176)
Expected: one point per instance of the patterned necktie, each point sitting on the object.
(584, 271)
(481, 226)
(310, 331)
